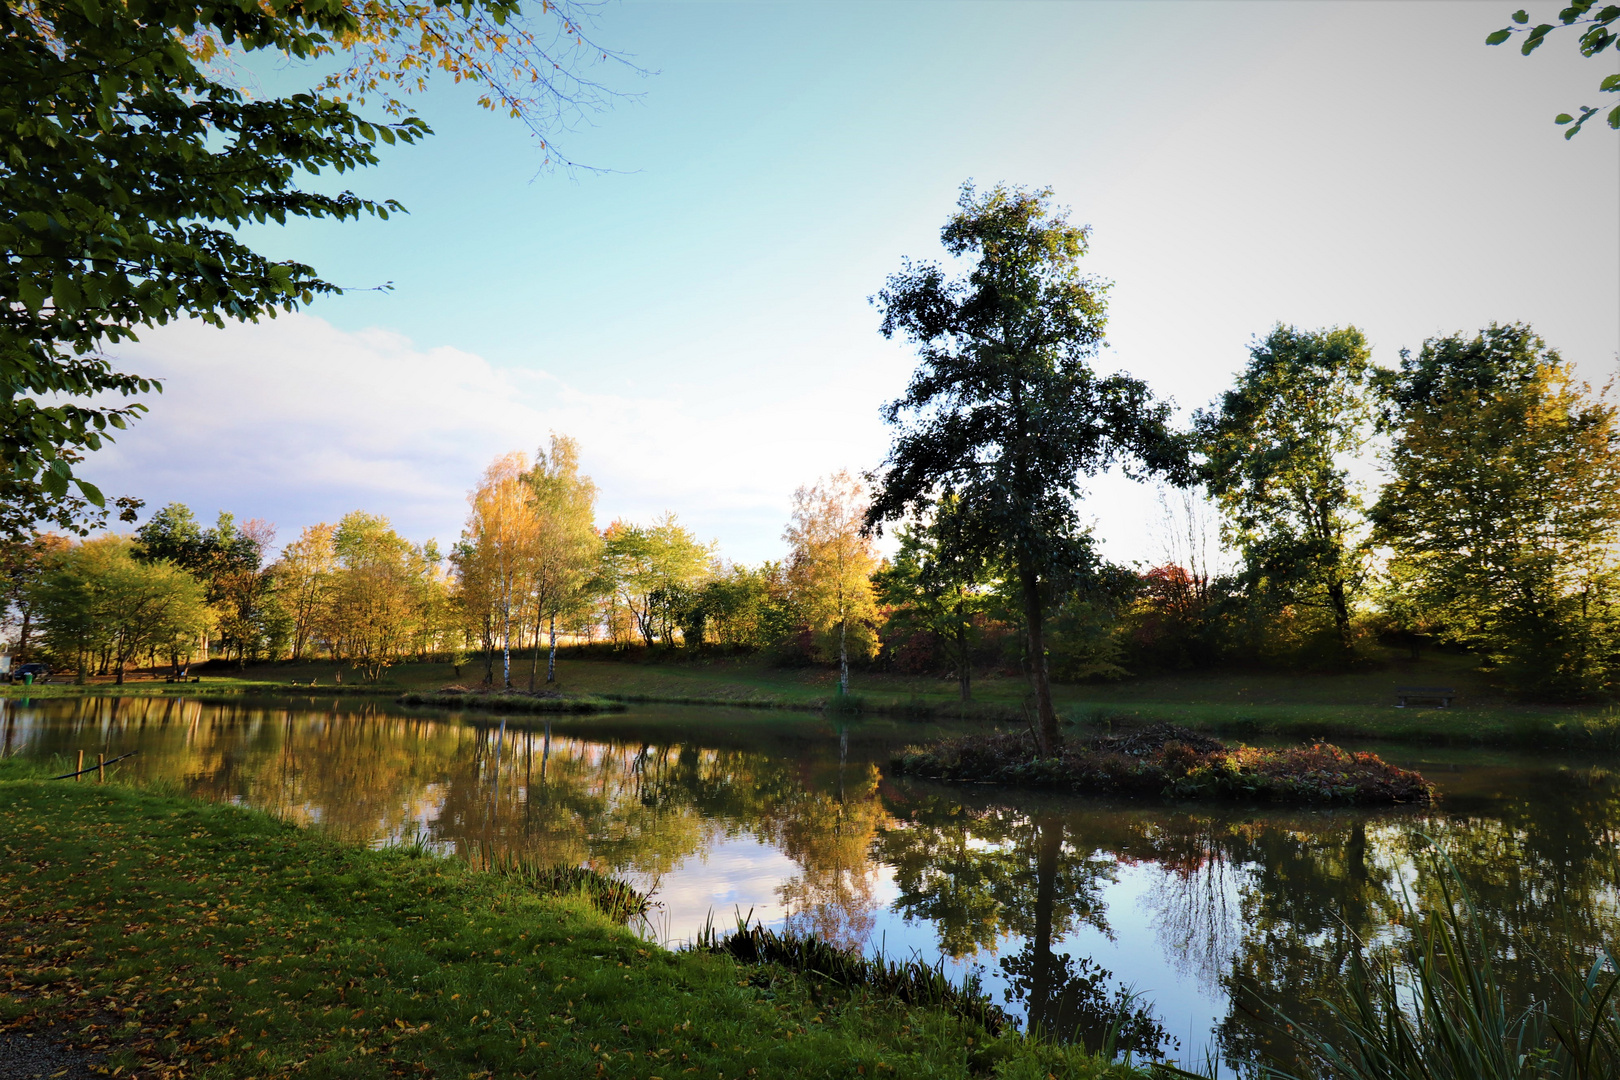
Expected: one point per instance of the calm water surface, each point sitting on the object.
(795, 820)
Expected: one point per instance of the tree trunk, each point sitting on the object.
(534, 657)
(489, 650)
(22, 637)
(1034, 620)
(1341, 613)
(843, 658)
(506, 644)
(551, 663)
(964, 667)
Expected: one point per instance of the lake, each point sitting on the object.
(1205, 911)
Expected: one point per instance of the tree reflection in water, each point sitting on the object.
(1247, 905)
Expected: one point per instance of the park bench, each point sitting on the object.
(1441, 695)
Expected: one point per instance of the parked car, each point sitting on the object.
(39, 671)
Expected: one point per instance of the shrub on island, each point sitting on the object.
(1171, 761)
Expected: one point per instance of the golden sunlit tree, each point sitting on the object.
(566, 544)
(304, 575)
(377, 592)
(829, 570)
(497, 553)
(1503, 508)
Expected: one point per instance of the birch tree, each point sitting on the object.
(566, 544)
(830, 567)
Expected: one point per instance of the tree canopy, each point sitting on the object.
(1004, 413)
(1276, 453)
(1596, 34)
(1502, 505)
(830, 565)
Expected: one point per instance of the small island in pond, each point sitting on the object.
(1171, 761)
(511, 701)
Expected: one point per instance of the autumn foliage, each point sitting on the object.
(1170, 761)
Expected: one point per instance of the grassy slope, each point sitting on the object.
(181, 938)
(1359, 703)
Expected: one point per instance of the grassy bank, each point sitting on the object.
(1355, 704)
(168, 937)
(474, 701)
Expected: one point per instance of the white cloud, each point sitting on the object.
(296, 421)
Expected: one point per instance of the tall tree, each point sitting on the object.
(566, 541)
(500, 538)
(830, 565)
(653, 571)
(224, 558)
(1503, 507)
(1005, 413)
(22, 561)
(376, 595)
(1276, 454)
(304, 575)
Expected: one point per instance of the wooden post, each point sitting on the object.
(78, 768)
(101, 768)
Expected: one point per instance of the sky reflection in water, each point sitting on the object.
(790, 819)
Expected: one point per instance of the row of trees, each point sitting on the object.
(531, 565)
(1494, 529)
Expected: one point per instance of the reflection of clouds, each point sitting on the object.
(737, 875)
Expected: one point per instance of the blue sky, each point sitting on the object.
(696, 315)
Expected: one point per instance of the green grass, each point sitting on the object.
(1356, 704)
(181, 938)
(512, 703)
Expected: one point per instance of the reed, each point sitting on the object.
(613, 897)
(1435, 1009)
(911, 981)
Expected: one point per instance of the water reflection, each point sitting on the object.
(1206, 911)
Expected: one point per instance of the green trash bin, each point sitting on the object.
(28, 678)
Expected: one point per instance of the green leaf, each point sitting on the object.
(1521, 17)
(1563, 118)
(1612, 83)
(91, 492)
(1499, 37)
(1614, 118)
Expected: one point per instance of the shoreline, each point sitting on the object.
(250, 946)
(1549, 730)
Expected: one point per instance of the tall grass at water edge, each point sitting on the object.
(1434, 1009)
(917, 982)
(613, 897)
(911, 981)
